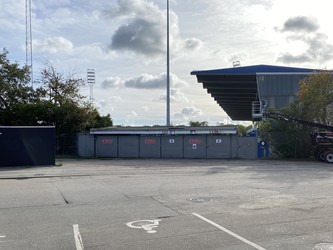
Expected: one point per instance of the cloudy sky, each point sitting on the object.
(125, 42)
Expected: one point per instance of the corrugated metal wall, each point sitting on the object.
(219, 147)
(279, 90)
(195, 146)
(150, 147)
(128, 146)
(107, 146)
(172, 146)
(247, 148)
(85, 144)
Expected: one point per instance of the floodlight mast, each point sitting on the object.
(168, 71)
(28, 39)
(91, 82)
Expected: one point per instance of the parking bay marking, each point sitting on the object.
(77, 237)
(147, 225)
(2, 237)
(229, 232)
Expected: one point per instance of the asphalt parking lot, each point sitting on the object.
(167, 204)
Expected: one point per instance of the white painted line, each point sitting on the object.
(2, 237)
(229, 232)
(147, 225)
(77, 237)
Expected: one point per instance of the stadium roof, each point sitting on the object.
(234, 89)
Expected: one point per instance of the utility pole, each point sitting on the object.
(28, 39)
(168, 70)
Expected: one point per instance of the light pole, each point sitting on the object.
(28, 39)
(168, 71)
(91, 82)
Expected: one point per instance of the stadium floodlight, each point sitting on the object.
(91, 82)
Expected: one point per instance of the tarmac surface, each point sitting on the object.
(167, 204)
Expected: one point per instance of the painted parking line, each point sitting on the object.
(77, 237)
(2, 237)
(229, 232)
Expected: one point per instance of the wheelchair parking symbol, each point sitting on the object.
(147, 225)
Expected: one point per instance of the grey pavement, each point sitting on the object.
(167, 204)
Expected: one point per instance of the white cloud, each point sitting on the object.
(139, 36)
(132, 8)
(192, 44)
(107, 105)
(203, 35)
(143, 30)
(300, 24)
(102, 103)
(12, 15)
(144, 81)
(188, 113)
(112, 82)
(53, 45)
(306, 30)
(176, 96)
(147, 81)
(115, 99)
(132, 114)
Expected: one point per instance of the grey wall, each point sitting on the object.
(150, 147)
(219, 146)
(107, 146)
(247, 148)
(169, 146)
(85, 145)
(279, 90)
(172, 146)
(195, 147)
(128, 146)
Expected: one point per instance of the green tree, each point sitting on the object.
(290, 139)
(57, 102)
(198, 124)
(242, 129)
(287, 139)
(69, 111)
(316, 97)
(58, 88)
(103, 121)
(14, 83)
